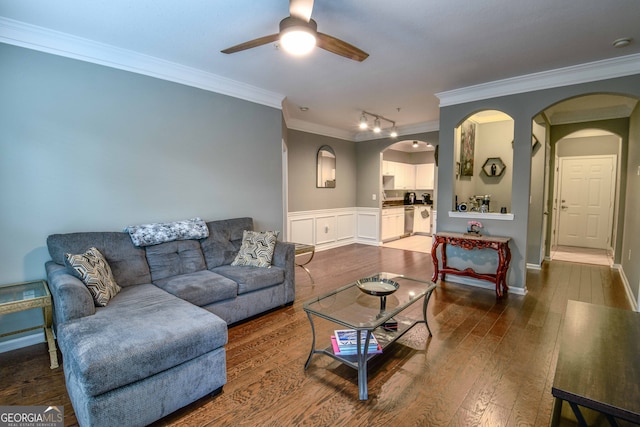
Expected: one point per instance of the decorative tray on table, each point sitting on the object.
(377, 286)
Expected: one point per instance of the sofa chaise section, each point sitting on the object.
(158, 345)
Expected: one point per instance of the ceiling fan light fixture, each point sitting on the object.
(298, 37)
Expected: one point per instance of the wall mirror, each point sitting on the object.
(483, 163)
(326, 167)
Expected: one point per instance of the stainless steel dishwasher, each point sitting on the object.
(409, 212)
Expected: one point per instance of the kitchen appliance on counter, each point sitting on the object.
(409, 198)
(426, 199)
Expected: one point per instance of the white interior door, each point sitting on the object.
(586, 201)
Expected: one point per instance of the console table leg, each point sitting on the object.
(434, 257)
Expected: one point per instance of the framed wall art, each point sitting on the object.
(467, 148)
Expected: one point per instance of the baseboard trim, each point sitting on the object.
(462, 280)
(21, 342)
(533, 266)
(627, 286)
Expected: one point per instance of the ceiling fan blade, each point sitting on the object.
(252, 43)
(301, 9)
(339, 47)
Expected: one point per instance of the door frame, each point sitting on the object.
(613, 208)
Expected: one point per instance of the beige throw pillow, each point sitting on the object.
(257, 248)
(92, 268)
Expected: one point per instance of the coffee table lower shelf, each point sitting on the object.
(411, 291)
(385, 339)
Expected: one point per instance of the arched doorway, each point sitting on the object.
(408, 187)
(576, 183)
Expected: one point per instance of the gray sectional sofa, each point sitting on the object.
(158, 345)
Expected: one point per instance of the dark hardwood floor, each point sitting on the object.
(490, 362)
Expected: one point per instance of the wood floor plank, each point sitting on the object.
(490, 362)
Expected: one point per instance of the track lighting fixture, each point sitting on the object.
(377, 128)
(363, 122)
(376, 125)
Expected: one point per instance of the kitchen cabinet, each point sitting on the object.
(405, 176)
(388, 167)
(422, 220)
(392, 223)
(425, 176)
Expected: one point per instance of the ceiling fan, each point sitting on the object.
(300, 24)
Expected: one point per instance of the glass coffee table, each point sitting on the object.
(372, 305)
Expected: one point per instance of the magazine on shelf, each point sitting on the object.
(351, 351)
(346, 340)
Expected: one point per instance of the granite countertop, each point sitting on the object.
(396, 204)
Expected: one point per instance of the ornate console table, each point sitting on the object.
(471, 241)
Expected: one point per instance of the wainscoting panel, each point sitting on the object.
(331, 228)
(326, 229)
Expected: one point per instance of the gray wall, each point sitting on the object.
(630, 254)
(85, 147)
(588, 146)
(303, 193)
(522, 108)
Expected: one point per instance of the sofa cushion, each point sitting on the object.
(251, 278)
(94, 271)
(224, 241)
(174, 258)
(257, 248)
(199, 288)
(153, 234)
(127, 262)
(143, 331)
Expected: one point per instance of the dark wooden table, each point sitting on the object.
(599, 363)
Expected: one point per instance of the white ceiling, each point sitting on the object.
(417, 48)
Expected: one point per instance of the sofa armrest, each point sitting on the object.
(284, 257)
(71, 298)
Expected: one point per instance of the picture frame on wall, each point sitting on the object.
(467, 147)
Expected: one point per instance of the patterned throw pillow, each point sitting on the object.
(92, 268)
(153, 234)
(257, 248)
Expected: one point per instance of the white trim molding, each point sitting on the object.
(45, 40)
(480, 215)
(332, 228)
(462, 280)
(576, 74)
(627, 287)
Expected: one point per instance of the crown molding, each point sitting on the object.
(303, 126)
(576, 74)
(62, 44)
